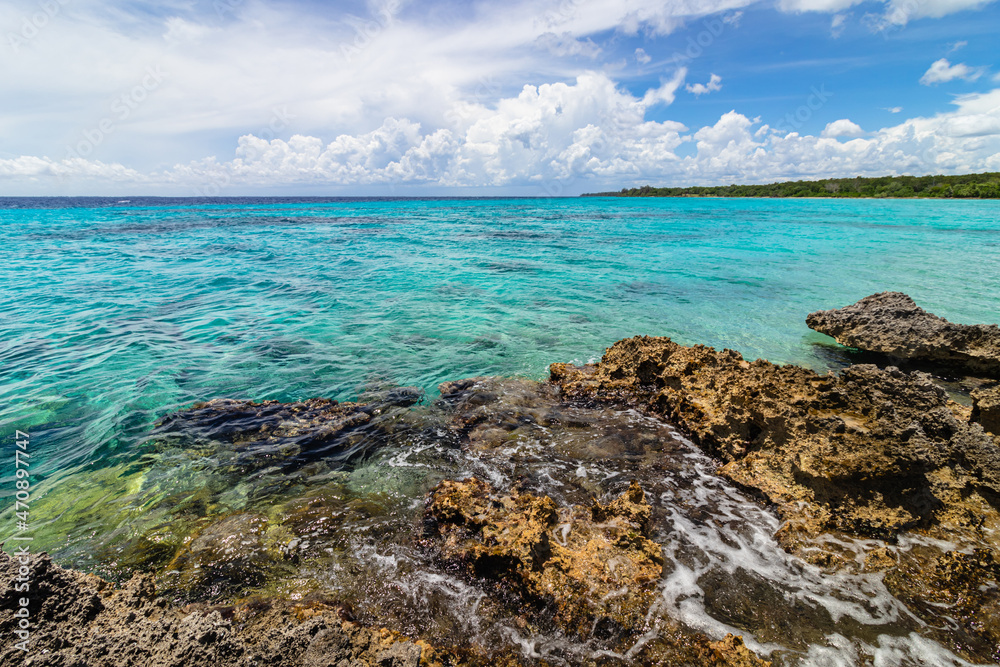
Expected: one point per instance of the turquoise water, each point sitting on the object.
(117, 313)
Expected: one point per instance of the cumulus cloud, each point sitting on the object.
(942, 71)
(842, 128)
(699, 89)
(893, 109)
(642, 57)
(563, 138)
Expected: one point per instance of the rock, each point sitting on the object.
(878, 559)
(966, 584)
(269, 431)
(732, 652)
(79, 619)
(986, 409)
(871, 452)
(224, 558)
(891, 323)
(595, 568)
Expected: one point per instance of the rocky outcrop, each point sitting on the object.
(891, 323)
(594, 567)
(592, 571)
(80, 619)
(870, 452)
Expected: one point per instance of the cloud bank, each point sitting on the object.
(567, 138)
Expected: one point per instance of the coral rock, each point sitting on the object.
(596, 567)
(892, 324)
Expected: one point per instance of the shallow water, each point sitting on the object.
(220, 520)
(116, 316)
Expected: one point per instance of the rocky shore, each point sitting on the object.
(565, 512)
(82, 620)
(890, 323)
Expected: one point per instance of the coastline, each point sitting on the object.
(769, 429)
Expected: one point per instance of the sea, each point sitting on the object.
(119, 311)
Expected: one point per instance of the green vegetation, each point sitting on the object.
(970, 186)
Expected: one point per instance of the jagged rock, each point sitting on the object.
(869, 452)
(986, 409)
(596, 567)
(79, 619)
(891, 323)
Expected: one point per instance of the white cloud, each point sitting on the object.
(560, 139)
(893, 109)
(842, 128)
(566, 45)
(817, 5)
(70, 168)
(837, 25)
(900, 12)
(958, 45)
(666, 93)
(942, 71)
(699, 89)
(642, 57)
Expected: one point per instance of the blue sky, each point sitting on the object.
(396, 97)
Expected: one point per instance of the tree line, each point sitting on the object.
(968, 186)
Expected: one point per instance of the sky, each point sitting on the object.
(521, 97)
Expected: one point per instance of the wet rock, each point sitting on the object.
(79, 619)
(595, 569)
(964, 583)
(879, 559)
(869, 452)
(986, 409)
(745, 600)
(730, 651)
(266, 432)
(891, 323)
(227, 556)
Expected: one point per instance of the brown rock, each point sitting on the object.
(596, 567)
(870, 452)
(891, 323)
(79, 619)
(732, 652)
(986, 409)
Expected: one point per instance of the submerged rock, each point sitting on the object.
(80, 619)
(272, 431)
(869, 452)
(891, 323)
(595, 568)
(223, 558)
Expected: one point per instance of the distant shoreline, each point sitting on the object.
(966, 186)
